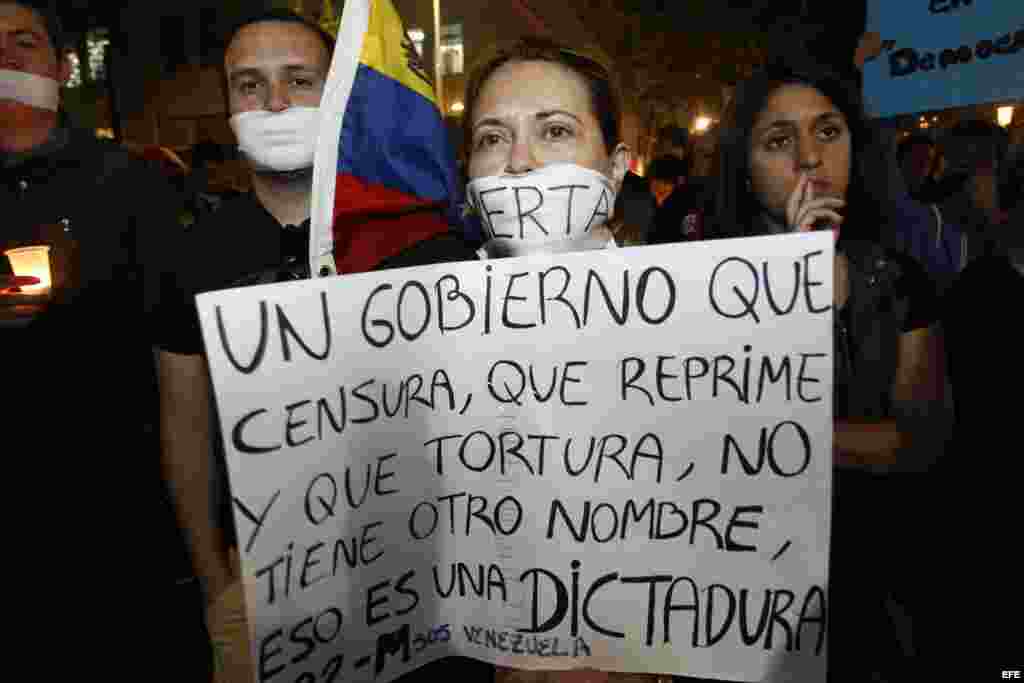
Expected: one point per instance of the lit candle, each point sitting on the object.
(1005, 116)
(33, 262)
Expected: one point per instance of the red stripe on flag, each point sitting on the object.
(373, 223)
(354, 195)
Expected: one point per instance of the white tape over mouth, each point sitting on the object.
(29, 89)
(556, 208)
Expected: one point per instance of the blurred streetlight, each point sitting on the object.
(702, 123)
(457, 107)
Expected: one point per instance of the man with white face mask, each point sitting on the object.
(275, 67)
(88, 394)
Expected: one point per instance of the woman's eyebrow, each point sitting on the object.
(791, 123)
(830, 116)
(544, 115)
(777, 123)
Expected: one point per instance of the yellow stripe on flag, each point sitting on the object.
(388, 50)
(328, 19)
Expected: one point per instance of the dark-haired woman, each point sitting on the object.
(792, 158)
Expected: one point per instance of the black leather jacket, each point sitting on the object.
(889, 295)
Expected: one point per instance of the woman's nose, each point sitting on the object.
(809, 154)
(521, 158)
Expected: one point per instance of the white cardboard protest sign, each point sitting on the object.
(616, 459)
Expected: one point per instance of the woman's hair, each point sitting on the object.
(736, 206)
(589, 64)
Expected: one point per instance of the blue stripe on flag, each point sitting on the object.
(395, 137)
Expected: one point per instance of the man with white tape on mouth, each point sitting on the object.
(78, 371)
(276, 65)
(545, 156)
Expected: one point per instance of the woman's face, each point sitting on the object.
(798, 132)
(535, 113)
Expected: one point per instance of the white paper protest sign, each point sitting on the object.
(616, 459)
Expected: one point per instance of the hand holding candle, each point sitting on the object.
(31, 262)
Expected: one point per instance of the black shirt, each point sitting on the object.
(890, 294)
(243, 244)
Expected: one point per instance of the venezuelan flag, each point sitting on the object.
(384, 171)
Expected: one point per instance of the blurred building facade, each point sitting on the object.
(149, 74)
(163, 84)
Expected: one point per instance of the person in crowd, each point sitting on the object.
(566, 122)
(665, 174)
(790, 159)
(673, 140)
(967, 194)
(916, 224)
(1011, 186)
(916, 157)
(275, 67)
(204, 189)
(680, 215)
(81, 380)
(635, 207)
(703, 153)
(983, 343)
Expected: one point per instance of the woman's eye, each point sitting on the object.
(559, 132)
(248, 87)
(831, 132)
(302, 82)
(776, 143)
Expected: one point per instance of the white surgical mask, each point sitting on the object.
(278, 141)
(29, 89)
(553, 209)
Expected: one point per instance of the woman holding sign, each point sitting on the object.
(790, 160)
(545, 164)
